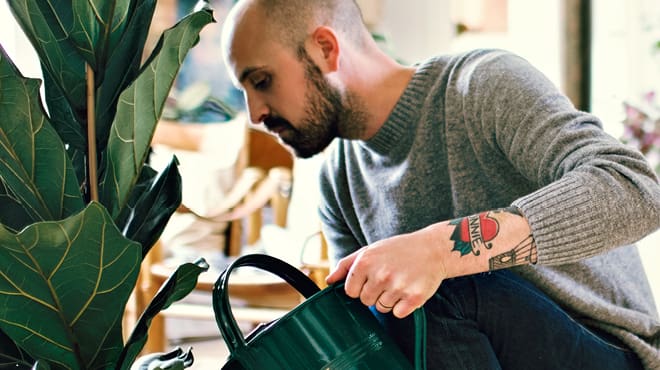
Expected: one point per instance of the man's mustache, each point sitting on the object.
(275, 123)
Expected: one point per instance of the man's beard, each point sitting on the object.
(326, 116)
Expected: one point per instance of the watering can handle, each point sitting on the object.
(224, 318)
(301, 282)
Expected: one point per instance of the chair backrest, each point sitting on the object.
(265, 151)
(264, 155)
(222, 165)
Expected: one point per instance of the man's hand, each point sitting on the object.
(397, 274)
(401, 273)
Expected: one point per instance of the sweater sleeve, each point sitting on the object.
(340, 237)
(594, 193)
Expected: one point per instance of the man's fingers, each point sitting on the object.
(369, 292)
(342, 269)
(386, 302)
(337, 274)
(403, 308)
(354, 283)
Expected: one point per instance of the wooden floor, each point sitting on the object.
(203, 335)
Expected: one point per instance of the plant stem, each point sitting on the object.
(91, 134)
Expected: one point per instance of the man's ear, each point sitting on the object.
(325, 49)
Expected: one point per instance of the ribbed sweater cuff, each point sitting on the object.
(565, 225)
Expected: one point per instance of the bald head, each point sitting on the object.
(290, 22)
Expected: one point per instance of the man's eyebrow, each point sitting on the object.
(247, 72)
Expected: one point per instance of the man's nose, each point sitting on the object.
(257, 109)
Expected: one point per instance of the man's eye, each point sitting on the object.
(262, 83)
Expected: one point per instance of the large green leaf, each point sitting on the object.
(177, 286)
(153, 203)
(139, 109)
(61, 61)
(66, 272)
(94, 27)
(123, 64)
(64, 286)
(13, 215)
(110, 36)
(68, 36)
(68, 126)
(37, 175)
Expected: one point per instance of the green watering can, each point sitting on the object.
(329, 330)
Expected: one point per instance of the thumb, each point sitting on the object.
(342, 268)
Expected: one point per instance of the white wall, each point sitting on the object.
(417, 29)
(7, 34)
(16, 44)
(623, 65)
(624, 68)
(534, 32)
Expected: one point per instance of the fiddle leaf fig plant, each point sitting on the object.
(80, 207)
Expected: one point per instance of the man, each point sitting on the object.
(466, 184)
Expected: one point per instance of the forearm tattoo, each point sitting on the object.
(523, 253)
(475, 233)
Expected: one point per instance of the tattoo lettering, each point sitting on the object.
(473, 233)
(523, 253)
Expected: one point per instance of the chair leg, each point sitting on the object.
(234, 242)
(254, 222)
(156, 340)
(281, 197)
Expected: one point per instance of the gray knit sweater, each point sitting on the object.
(485, 130)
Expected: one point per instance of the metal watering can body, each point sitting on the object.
(329, 330)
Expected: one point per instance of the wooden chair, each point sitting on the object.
(262, 189)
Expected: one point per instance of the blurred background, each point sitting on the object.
(604, 54)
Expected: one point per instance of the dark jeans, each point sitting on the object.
(500, 321)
